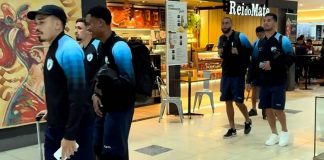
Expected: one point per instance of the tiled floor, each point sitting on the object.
(201, 138)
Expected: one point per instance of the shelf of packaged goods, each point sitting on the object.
(209, 60)
(135, 29)
(214, 73)
(209, 64)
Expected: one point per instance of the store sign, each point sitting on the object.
(244, 10)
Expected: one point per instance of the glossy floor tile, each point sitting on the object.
(201, 138)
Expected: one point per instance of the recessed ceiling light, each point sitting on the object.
(300, 4)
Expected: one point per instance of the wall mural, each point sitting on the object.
(21, 60)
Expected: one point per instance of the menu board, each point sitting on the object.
(125, 16)
(318, 32)
(176, 29)
(291, 26)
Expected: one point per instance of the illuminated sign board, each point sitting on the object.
(247, 10)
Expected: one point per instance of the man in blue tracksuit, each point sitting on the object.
(235, 50)
(114, 101)
(92, 49)
(69, 115)
(272, 56)
(254, 85)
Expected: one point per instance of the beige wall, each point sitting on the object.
(211, 26)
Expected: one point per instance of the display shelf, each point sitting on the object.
(136, 29)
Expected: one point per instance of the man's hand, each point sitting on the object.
(68, 148)
(267, 66)
(42, 113)
(96, 103)
(220, 52)
(248, 87)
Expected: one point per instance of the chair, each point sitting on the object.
(206, 90)
(166, 99)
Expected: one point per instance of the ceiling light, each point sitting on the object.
(300, 4)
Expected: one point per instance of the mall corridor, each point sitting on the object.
(201, 138)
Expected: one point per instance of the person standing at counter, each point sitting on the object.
(235, 50)
(272, 57)
(310, 47)
(254, 85)
(69, 119)
(114, 100)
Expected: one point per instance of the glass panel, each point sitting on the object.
(319, 129)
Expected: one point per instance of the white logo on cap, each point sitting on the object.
(90, 57)
(50, 63)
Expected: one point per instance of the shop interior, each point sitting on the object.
(145, 21)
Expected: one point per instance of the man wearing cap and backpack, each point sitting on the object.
(69, 119)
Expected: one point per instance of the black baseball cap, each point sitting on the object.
(49, 10)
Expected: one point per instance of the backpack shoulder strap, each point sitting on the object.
(256, 46)
(111, 60)
(237, 40)
(280, 42)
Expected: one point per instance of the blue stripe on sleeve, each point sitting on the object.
(70, 57)
(244, 41)
(287, 46)
(123, 59)
(219, 45)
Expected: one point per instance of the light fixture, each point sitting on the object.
(301, 4)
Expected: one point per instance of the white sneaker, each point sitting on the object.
(273, 139)
(283, 139)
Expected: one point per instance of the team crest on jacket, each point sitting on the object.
(50, 64)
(106, 60)
(90, 57)
(273, 49)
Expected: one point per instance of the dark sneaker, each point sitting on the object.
(230, 133)
(264, 115)
(247, 127)
(253, 112)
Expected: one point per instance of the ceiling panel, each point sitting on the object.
(310, 4)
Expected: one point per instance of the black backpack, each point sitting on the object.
(143, 70)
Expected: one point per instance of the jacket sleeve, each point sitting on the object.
(123, 59)
(72, 64)
(253, 66)
(247, 49)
